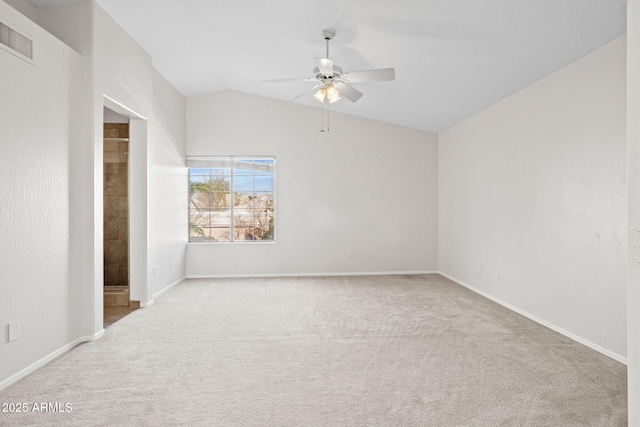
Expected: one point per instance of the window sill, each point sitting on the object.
(237, 242)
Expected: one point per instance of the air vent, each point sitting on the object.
(18, 43)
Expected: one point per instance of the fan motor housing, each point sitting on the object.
(337, 74)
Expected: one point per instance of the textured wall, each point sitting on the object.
(365, 186)
(38, 124)
(532, 200)
(168, 186)
(633, 135)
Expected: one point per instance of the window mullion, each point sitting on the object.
(253, 207)
(232, 202)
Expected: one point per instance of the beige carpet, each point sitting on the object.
(331, 351)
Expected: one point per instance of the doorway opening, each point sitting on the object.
(133, 265)
(117, 300)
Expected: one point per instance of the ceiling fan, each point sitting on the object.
(332, 83)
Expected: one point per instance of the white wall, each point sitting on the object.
(168, 197)
(39, 130)
(158, 203)
(51, 135)
(72, 24)
(116, 67)
(633, 160)
(364, 186)
(534, 186)
(123, 73)
(23, 7)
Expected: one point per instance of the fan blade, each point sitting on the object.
(305, 79)
(380, 75)
(348, 92)
(325, 66)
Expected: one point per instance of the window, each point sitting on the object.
(231, 199)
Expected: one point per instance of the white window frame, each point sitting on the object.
(231, 163)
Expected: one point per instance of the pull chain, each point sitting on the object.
(322, 127)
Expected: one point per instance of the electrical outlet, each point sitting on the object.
(634, 248)
(171, 264)
(154, 271)
(350, 255)
(14, 332)
(497, 273)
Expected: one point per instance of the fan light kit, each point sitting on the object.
(332, 84)
(329, 93)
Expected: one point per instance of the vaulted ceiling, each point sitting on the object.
(452, 58)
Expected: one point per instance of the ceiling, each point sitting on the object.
(452, 58)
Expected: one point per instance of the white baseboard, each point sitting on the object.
(48, 358)
(551, 326)
(157, 294)
(362, 273)
(93, 337)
